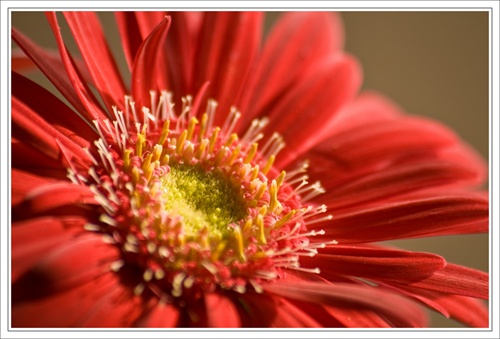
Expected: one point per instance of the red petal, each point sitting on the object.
(375, 263)
(160, 316)
(31, 160)
(229, 42)
(264, 310)
(394, 181)
(297, 41)
(30, 241)
(117, 308)
(398, 310)
(307, 110)
(93, 109)
(33, 130)
(54, 195)
(383, 142)
(53, 69)
(148, 21)
(354, 318)
(71, 305)
(221, 311)
(455, 279)
(143, 75)
(130, 35)
(180, 54)
(439, 214)
(469, 311)
(20, 62)
(23, 182)
(52, 110)
(70, 264)
(89, 36)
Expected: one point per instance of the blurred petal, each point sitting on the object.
(398, 310)
(89, 36)
(161, 315)
(52, 69)
(375, 263)
(455, 279)
(52, 110)
(33, 130)
(438, 214)
(218, 304)
(22, 182)
(307, 110)
(143, 79)
(130, 35)
(228, 44)
(30, 241)
(93, 109)
(296, 42)
(70, 264)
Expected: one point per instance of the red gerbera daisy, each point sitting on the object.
(229, 185)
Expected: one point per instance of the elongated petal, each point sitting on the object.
(455, 279)
(30, 241)
(29, 159)
(87, 30)
(22, 182)
(117, 308)
(380, 142)
(54, 195)
(148, 22)
(297, 41)
(467, 310)
(53, 70)
(180, 54)
(438, 214)
(398, 310)
(229, 42)
(375, 263)
(33, 130)
(130, 35)
(396, 180)
(161, 316)
(218, 304)
(52, 110)
(356, 318)
(307, 111)
(143, 75)
(21, 62)
(42, 313)
(72, 263)
(92, 107)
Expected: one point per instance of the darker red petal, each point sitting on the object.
(143, 75)
(93, 109)
(399, 311)
(297, 41)
(435, 214)
(89, 36)
(228, 44)
(375, 263)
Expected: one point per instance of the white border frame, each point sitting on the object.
(426, 5)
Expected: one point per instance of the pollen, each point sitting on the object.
(194, 207)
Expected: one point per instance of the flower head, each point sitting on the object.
(229, 185)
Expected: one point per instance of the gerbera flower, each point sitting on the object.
(229, 184)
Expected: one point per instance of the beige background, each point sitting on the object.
(430, 63)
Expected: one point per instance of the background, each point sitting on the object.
(430, 63)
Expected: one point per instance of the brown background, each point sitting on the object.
(431, 63)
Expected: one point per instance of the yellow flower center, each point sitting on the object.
(194, 207)
(202, 199)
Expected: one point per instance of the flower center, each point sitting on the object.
(202, 199)
(193, 207)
